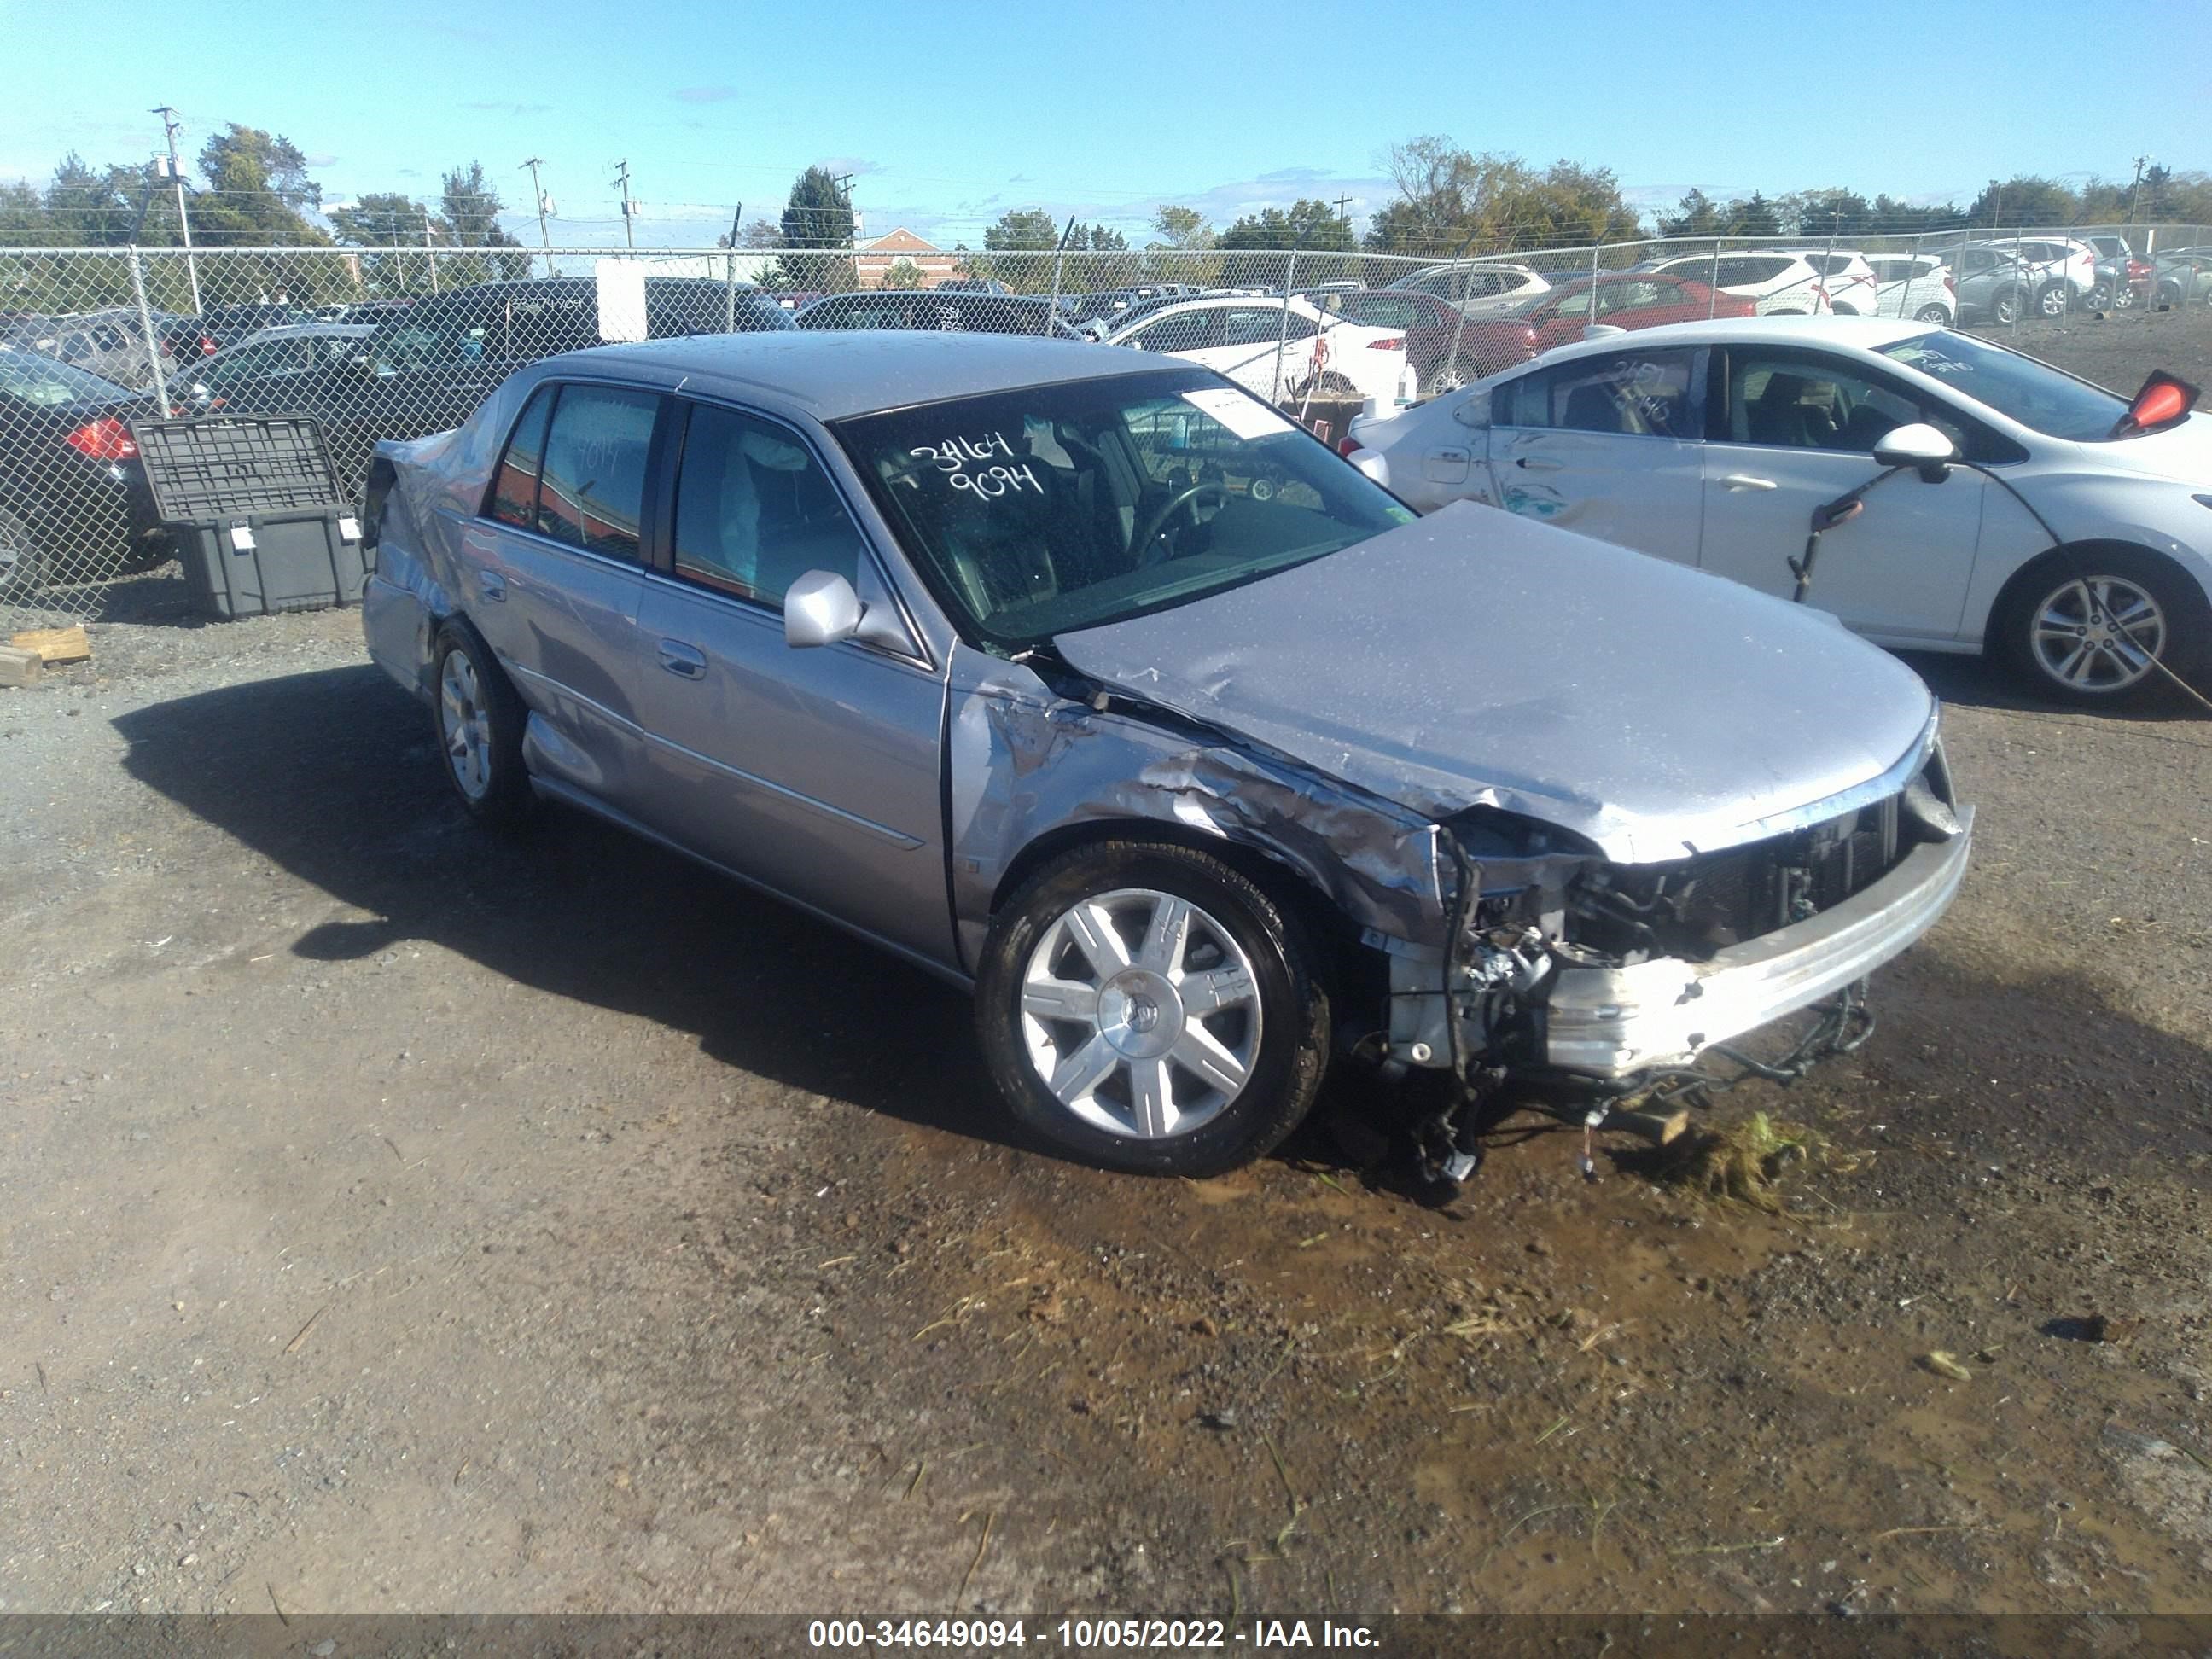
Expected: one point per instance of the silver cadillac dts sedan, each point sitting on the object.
(1088, 680)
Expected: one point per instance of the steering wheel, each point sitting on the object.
(1174, 504)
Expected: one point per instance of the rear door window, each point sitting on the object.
(514, 486)
(1626, 394)
(590, 490)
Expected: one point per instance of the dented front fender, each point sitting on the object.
(1025, 762)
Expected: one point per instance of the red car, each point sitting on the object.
(1428, 323)
(1621, 299)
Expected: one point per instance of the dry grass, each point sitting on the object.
(1742, 1163)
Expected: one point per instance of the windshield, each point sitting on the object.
(28, 379)
(2040, 397)
(1082, 502)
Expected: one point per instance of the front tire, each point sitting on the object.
(479, 719)
(2084, 629)
(1149, 1009)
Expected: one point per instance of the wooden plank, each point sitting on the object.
(55, 645)
(19, 667)
(1659, 1128)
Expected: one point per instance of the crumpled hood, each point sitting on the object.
(1474, 657)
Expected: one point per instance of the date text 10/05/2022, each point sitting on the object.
(992, 1635)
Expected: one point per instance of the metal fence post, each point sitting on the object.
(153, 340)
(1052, 309)
(1911, 276)
(1713, 287)
(1282, 331)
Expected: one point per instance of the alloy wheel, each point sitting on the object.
(466, 724)
(1140, 1013)
(2098, 635)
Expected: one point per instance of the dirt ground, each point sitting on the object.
(396, 1220)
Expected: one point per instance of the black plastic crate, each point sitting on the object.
(224, 466)
(251, 564)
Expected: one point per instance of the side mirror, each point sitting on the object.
(1602, 331)
(1920, 445)
(820, 608)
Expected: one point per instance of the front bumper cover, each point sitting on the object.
(1613, 1023)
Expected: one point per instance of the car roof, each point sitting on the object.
(310, 330)
(834, 374)
(1857, 333)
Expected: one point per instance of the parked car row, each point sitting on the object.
(1713, 444)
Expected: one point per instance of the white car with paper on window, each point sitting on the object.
(2072, 539)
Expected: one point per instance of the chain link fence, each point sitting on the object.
(396, 343)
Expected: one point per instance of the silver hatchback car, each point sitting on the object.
(1090, 681)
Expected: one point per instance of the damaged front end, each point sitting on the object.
(1606, 979)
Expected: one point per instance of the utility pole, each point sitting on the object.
(2135, 190)
(844, 182)
(629, 206)
(545, 236)
(169, 125)
(1342, 217)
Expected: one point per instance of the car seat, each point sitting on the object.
(1594, 408)
(1781, 416)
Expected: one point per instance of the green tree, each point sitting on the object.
(1182, 229)
(817, 218)
(1099, 257)
(905, 274)
(86, 207)
(1018, 251)
(471, 213)
(388, 220)
(1452, 201)
(2025, 201)
(1181, 248)
(1306, 225)
(1696, 214)
(1815, 212)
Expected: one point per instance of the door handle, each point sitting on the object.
(1745, 481)
(1536, 465)
(493, 584)
(687, 660)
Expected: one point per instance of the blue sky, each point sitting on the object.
(950, 114)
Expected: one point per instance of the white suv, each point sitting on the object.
(1846, 277)
(1915, 285)
(1777, 284)
(1476, 286)
(2064, 270)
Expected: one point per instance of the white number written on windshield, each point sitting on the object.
(975, 464)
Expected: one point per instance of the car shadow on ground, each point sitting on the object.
(333, 775)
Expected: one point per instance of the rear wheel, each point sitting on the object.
(1451, 376)
(2008, 307)
(1150, 1009)
(1931, 314)
(2086, 629)
(2052, 299)
(479, 721)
